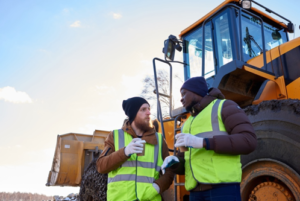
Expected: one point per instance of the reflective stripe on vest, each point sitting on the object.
(134, 178)
(206, 166)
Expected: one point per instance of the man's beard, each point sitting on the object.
(143, 125)
(189, 107)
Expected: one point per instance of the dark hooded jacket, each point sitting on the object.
(241, 138)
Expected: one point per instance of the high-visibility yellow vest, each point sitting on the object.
(133, 179)
(207, 166)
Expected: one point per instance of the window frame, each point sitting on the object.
(235, 29)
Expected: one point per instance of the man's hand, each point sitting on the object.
(188, 140)
(168, 162)
(134, 147)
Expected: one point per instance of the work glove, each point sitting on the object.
(188, 140)
(134, 147)
(168, 162)
(156, 187)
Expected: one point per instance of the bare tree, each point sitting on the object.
(163, 86)
(163, 82)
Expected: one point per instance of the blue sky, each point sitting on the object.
(66, 66)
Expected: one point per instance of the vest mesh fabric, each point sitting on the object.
(207, 166)
(133, 179)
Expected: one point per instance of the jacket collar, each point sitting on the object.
(213, 94)
(149, 136)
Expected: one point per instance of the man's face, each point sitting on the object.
(142, 119)
(188, 99)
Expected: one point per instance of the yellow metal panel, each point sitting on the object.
(270, 92)
(275, 52)
(279, 81)
(286, 47)
(68, 160)
(258, 61)
(169, 133)
(92, 145)
(70, 167)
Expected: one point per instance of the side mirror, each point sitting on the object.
(169, 49)
(170, 45)
(276, 35)
(290, 27)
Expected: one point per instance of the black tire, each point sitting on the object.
(277, 126)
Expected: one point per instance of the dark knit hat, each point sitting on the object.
(132, 105)
(197, 85)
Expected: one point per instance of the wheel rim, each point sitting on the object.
(267, 180)
(270, 191)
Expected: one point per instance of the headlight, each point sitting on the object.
(246, 4)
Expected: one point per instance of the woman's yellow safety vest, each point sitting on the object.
(206, 166)
(133, 179)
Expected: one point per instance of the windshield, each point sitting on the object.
(252, 36)
(193, 52)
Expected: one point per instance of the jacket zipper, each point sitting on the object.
(191, 125)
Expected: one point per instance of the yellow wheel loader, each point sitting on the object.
(246, 53)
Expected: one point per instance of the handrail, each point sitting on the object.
(159, 112)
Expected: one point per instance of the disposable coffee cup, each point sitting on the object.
(183, 149)
(143, 152)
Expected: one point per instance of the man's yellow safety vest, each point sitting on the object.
(133, 179)
(206, 166)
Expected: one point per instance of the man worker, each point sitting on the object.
(216, 134)
(130, 175)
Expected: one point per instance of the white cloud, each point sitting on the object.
(116, 16)
(76, 24)
(66, 11)
(10, 94)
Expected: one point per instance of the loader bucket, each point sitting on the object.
(73, 153)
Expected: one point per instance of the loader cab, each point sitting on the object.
(223, 43)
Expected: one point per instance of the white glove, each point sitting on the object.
(168, 162)
(156, 187)
(134, 147)
(188, 140)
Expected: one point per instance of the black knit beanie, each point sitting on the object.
(132, 105)
(197, 85)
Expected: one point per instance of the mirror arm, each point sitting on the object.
(179, 62)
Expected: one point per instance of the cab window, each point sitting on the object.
(223, 39)
(193, 52)
(209, 70)
(252, 43)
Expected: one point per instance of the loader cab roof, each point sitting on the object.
(228, 34)
(265, 16)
